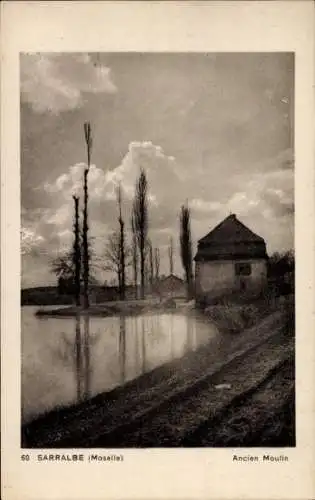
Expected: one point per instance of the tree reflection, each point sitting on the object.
(83, 358)
(77, 353)
(87, 357)
(143, 344)
(137, 348)
(122, 348)
(78, 357)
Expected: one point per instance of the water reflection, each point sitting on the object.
(83, 355)
(143, 344)
(148, 336)
(87, 355)
(191, 334)
(78, 357)
(122, 349)
(77, 353)
(72, 359)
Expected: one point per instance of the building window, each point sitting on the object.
(243, 269)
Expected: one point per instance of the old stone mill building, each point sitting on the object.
(230, 258)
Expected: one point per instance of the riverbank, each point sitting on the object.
(114, 308)
(141, 412)
(229, 315)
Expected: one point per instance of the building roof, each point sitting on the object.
(231, 239)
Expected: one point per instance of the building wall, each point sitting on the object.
(217, 277)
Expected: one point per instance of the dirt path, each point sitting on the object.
(254, 419)
(177, 421)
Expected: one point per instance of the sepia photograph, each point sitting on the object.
(157, 250)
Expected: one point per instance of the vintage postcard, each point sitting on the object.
(158, 250)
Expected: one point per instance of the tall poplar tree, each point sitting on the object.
(186, 247)
(141, 222)
(77, 252)
(85, 229)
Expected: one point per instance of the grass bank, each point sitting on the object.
(234, 316)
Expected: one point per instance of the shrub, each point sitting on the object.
(232, 318)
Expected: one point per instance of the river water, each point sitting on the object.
(66, 360)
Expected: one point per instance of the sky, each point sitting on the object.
(212, 129)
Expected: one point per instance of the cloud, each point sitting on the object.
(30, 241)
(103, 184)
(58, 82)
(158, 166)
(71, 182)
(263, 200)
(200, 206)
(270, 195)
(49, 231)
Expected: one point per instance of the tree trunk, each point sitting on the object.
(135, 269)
(122, 262)
(86, 257)
(121, 246)
(85, 245)
(142, 267)
(77, 252)
(170, 255)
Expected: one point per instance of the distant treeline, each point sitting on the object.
(50, 295)
(43, 295)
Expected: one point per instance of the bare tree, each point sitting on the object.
(141, 222)
(134, 252)
(62, 266)
(122, 248)
(86, 256)
(156, 264)
(171, 255)
(186, 247)
(77, 252)
(112, 257)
